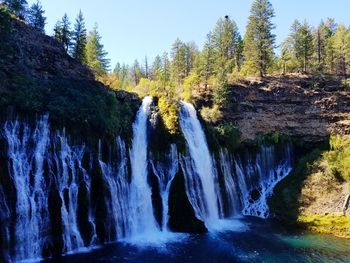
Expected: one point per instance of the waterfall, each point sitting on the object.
(165, 174)
(141, 214)
(116, 177)
(230, 190)
(259, 176)
(26, 164)
(67, 180)
(198, 168)
(53, 199)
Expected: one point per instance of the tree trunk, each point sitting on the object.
(346, 204)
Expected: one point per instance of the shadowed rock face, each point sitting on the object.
(40, 56)
(291, 106)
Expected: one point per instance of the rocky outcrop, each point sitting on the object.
(296, 105)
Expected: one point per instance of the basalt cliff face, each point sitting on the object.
(295, 106)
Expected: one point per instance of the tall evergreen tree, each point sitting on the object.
(156, 68)
(165, 70)
(259, 39)
(304, 45)
(136, 72)
(62, 32)
(18, 7)
(79, 36)
(36, 17)
(226, 39)
(95, 54)
(178, 65)
(340, 46)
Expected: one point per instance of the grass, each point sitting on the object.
(336, 225)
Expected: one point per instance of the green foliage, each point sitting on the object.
(271, 138)
(284, 203)
(95, 54)
(36, 17)
(79, 36)
(338, 158)
(259, 40)
(18, 7)
(87, 107)
(221, 91)
(62, 32)
(227, 135)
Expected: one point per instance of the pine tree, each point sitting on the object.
(146, 68)
(36, 17)
(304, 45)
(156, 68)
(259, 39)
(226, 39)
(178, 65)
(340, 47)
(95, 54)
(136, 72)
(18, 7)
(206, 63)
(79, 36)
(62, 32)
(165, 70)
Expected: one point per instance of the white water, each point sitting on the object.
(116, 176)
(67, 182)
(198, 168)
(230, 186)
(26, 171)
(261, 175)
(165, 174)
(142, 219)
(40, 164)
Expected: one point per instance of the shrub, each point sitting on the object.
(211, 115)
(228, 135)
(168, 110)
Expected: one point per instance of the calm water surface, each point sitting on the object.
(248, 240)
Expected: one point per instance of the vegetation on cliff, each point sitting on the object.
(314, 195)
(41, 78)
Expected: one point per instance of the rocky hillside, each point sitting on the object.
(38, 76)
(298, 106)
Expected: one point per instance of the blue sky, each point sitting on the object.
(135, 28)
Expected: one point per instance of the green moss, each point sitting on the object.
(327, 224)
(224, 135)
(85, 108)
(285, 201)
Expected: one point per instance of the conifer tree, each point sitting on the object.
(340, 46)
(304, 45)
(36, 17)
(62, 32)
(18, 7)
(95, 54)
(178, 65)
(226, 39)
(79, 36)
(259, 39)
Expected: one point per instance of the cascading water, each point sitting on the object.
(230, 191)
(143, 221)
(26, 170)
(118, 204)
(259, 176)
(198, 168)
(57, 199)
(165, 174)
(67, 179)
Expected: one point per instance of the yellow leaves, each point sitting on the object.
(211, 115)
(168, 110)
